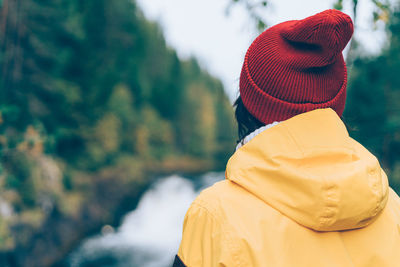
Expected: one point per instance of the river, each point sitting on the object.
(149, 236)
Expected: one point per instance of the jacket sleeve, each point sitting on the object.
(205, 240)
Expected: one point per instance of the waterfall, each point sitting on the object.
(149, 236)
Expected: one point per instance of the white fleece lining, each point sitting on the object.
(255, 133)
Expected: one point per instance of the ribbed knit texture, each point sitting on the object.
(297, 66)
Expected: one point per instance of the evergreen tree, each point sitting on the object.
(373, 102)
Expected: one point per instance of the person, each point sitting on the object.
(298, 190)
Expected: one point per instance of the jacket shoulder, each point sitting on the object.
(226, 216)
(207, 239)
(214, 197)
(229, 202)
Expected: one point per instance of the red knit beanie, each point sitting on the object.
(297, 66)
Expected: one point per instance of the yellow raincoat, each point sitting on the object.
(300, 194)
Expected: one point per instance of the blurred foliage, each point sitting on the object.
(373, 108)
(91, 85)
(257, 9)
(381, 10)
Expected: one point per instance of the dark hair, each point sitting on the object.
(247, 123)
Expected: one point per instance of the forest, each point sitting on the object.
(94, 106)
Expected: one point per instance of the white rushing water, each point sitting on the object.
(149, 236)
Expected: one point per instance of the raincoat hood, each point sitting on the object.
(310, 170)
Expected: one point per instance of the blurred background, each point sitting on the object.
(115, 114)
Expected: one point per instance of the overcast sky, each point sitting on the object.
(202, 29)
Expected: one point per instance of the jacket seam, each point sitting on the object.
(293, 139)
(234, 250)
(346, 249)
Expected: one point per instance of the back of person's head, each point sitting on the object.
(294, 67)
